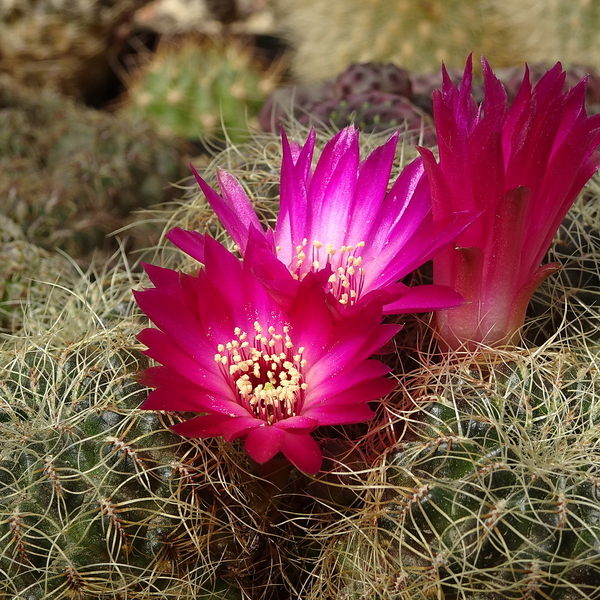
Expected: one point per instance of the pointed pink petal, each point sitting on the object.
(371, 189)
(425, 298)
(303, 452)
(201, 427)
(343, 414)
(364, 392)
(234, 209)
(161, 277)
(291, 226)
(369, 369)
(164, 350)
(264, 442)
(298, 424)
(239, 426)
(191, 242)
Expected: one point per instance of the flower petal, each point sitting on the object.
(264, 442)
(303, 452)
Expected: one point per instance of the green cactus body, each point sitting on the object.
(72, 174)
(97, 499)
(194, 89)
(494, 493)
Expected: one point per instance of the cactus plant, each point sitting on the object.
(71, 47)
(72, 174)
(477, 479)
(374, 97)
(194, 89)
(99, 500)
(416, 35)
(492, 492)
(24, 267)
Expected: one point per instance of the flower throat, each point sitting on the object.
(265, 371)
(348, 275)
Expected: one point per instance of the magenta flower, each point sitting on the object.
(232, 353)
(522, 167)
(340, 218)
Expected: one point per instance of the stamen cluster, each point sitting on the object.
(347, 279)
(266, 372)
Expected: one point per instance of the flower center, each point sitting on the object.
(266, 372)
(348, 275)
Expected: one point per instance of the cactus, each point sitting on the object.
(569, 301)
(492, 492)
(479, 478)
(420, 35)
(71, 47)
(415, 35)
(476, 480)
(373, 96)
(72, 174)
(99, 500)
(24, 268)
(196, 89)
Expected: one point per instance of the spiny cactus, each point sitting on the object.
(492, 492)
(196, 89)
(373, 96)
(99, 500)
(479, 481)
(569, 300)
(71, 174)
(23, 267)
(327, 37)
(96, 499)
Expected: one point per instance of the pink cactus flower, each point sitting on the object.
(340, 218)
(522, 167)
(251, 368)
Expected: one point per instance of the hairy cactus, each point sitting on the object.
(71, 174)
(417, 35)
(99, 500)
(96, 498)
(492, 492)
(477, 479)
(569, 300)
(196, 89)
(24, 268)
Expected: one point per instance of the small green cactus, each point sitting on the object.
(196, 89)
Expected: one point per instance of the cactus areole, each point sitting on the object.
(522, 167)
